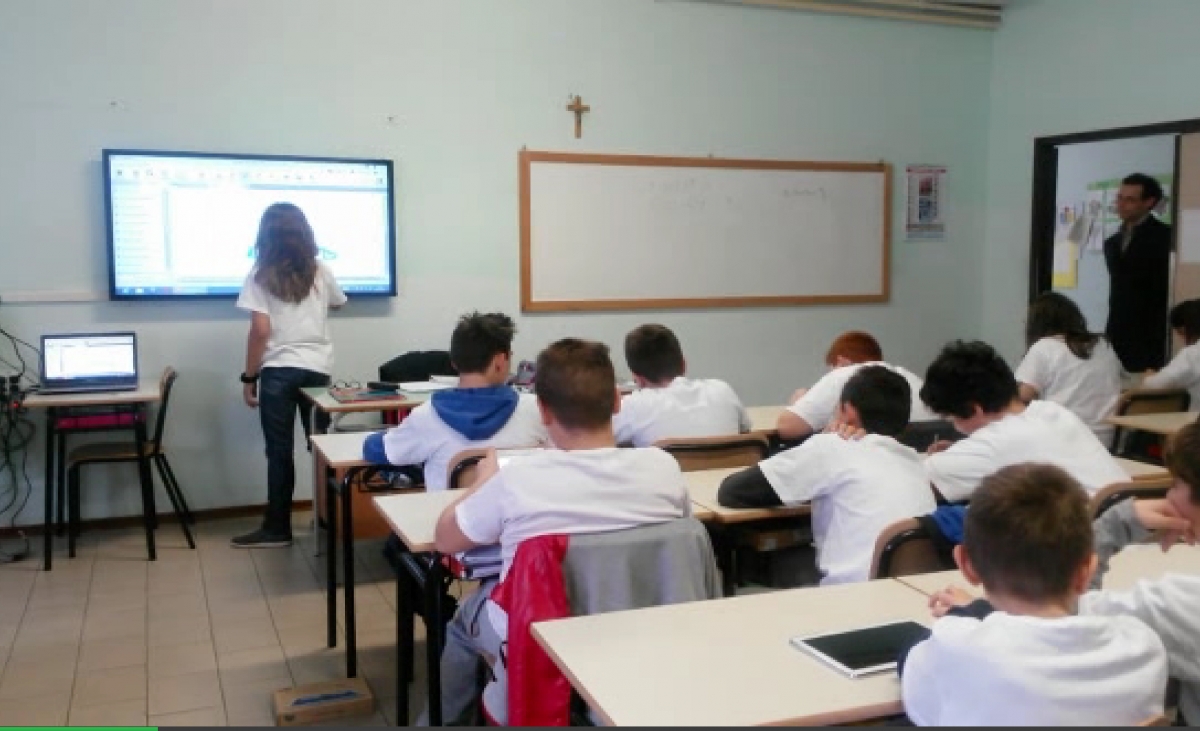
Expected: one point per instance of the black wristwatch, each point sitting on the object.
(249, 379)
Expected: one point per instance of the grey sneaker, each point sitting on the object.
(261, 539)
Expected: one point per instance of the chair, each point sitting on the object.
(905, 548)
(1110, 496)
(461, 470)
(920, 435)
(710, 453)
(1157, 401)
(646, 566)
(117, 452)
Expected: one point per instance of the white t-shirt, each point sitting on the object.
(1026, 671)
(300, 330)
(819, 406)
(1168, 606)
(857, 488)
(1044, 433)
(1182, 372)
(684, 408)
(423, 438)
(558, 492)
(1090, 388)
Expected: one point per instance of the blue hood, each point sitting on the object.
(476, 413)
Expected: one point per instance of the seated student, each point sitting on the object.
(811, 409)
(972, 387)
(1184, 369)
(481, 412)
(1020, 657)
(667, 405)
(1069, 365)
(857, 487)
(587, 485)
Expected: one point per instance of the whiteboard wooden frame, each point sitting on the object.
(528, 157)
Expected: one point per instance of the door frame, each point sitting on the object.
(1045, 189)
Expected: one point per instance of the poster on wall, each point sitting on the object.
(925, 210)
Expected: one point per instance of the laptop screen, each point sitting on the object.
(89, 357)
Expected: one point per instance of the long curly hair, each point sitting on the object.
(286, 253)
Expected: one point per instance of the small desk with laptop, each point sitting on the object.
(90, 382)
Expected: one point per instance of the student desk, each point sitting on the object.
(764, 418)
(1164, 424)
(728, 662)
(1128, 567)
(703, 486)
(342, 454)
(1143, 472)
(324, 407)
(136, 402)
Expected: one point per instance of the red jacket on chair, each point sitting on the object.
(534, 591)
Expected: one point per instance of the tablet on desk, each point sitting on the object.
(862, 652)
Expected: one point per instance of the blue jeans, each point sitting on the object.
(279, 399)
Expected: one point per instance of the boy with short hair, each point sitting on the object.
(970, 385)
(667, 404)
(587, 485)
(812, 409)
(481, 412)
(1184, 369)
(1021, 656)
(857, 486)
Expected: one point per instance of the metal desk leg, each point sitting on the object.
(49, 488)
(434, 631)
(147, 482)
(330, 563)
(404, 642)
(348, 573)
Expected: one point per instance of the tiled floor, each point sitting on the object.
(198, 637)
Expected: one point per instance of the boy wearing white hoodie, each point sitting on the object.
(1022, 656)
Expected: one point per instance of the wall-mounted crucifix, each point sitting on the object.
(579, 108)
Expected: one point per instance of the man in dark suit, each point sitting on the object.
(1139, 269)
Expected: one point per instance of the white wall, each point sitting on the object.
(1061, 67)
(1082, 164)
(452, 89)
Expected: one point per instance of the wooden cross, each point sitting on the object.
(579, 108)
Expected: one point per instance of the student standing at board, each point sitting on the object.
(288, 293)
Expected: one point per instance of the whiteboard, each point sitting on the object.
(612, 232)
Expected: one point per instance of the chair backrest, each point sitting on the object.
(417, 365)
(710, 453)
(165, 385)
(647, 566)
(905, 548)
(461, 470)
(1164, 401)
(1110, 496)
(921, 434)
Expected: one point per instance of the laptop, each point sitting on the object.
(89, 363)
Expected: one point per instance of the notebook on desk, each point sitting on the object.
(89, 363)
(359, 395)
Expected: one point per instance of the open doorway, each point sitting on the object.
(1124, 277)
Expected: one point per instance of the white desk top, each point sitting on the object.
(319, 396)
(1142, 472)
(1149, 562)
(1127, 568)
(1166, 424)
(341, 451)
(744, 672)
(147, 392)
(413, 517)
(702, 488)
(764, 418)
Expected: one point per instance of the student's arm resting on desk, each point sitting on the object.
(748, 489)
(958, 469)
(477, 518)
(1136, 521)
(1177, 374)
(815, 408)
(410, 443)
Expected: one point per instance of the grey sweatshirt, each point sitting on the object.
(1170, 605)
